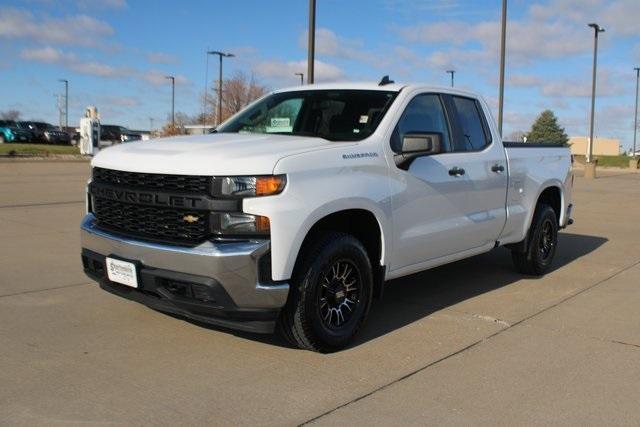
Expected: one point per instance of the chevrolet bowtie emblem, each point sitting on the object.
(190, 219)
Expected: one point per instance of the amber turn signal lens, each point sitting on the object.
(262, 224)
(267, 185)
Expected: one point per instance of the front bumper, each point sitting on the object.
(221, 283)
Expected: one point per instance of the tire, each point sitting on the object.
(542, 242)
(330, 294)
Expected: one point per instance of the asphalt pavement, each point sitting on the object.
(470, 343)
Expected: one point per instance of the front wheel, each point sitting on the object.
(330, 294)
(541, 246)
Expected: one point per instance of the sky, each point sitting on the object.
(116, 53)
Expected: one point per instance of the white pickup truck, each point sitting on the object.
(294, 212)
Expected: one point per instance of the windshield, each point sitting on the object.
(336, 115)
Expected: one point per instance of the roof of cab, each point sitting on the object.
(391, 87)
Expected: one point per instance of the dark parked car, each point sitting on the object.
(10, 132)
(47, 133)
(118, 134)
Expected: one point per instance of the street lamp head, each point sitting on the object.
(172, 78)
(217, 52)
(63, 80)
(596, 27)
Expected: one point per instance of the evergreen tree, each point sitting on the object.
(547, 129)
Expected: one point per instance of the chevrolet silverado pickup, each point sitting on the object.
(293, 213)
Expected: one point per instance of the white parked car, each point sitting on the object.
(297, 210)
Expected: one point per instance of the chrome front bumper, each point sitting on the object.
(237, 266)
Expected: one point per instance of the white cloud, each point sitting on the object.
(607, 84)
(50, 55)
(330, 44)
(161, 58)
(158, 78)
(102, 4)
(617, 16)
(122, 101)
(81, 30)
(285, 71)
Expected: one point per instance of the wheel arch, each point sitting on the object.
(361, 223)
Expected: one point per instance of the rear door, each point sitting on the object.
(483, 160)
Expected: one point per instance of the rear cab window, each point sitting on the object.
(474, 133)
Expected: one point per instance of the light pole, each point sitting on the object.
(206, 88)
(312, 41)
(301, 78)
(590, 171)
(452, 72)
(220, 56)
(66, 103)
(635, 121)
(173, 100)
(503, 39)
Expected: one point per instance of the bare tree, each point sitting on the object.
(237, 93)
(10, 115)
(516, 136)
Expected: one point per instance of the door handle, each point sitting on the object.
(456, 171)
(497, 168)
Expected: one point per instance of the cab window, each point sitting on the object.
(474, 135)
(424, 114)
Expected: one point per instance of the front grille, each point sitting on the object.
(156, 223)
(194, 184)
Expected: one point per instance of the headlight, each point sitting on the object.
(248, 186)
(231, 223)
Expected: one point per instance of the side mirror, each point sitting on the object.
(418, 144)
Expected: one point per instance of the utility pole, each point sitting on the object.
(503, 39)
(635, 121)
(590, 170)
(173, 100)
(150, 126)
(301, 78)
(312, 42)
(206, 89)
(66, 103)
(220, 56)
(452, 72)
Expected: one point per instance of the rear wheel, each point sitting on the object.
(541, 246)
(330, 294)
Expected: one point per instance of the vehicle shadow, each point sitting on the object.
(414, 297)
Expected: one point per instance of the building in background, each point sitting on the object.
(601, 146)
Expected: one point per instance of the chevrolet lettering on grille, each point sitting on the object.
(146, 198)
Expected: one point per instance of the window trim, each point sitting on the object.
(483, 122)
(445, 112)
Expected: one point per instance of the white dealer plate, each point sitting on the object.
(122, 272)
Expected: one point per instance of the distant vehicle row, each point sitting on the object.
(46, 133)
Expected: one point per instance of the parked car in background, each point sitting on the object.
(46, 133)
(116, 134)
(10, 132)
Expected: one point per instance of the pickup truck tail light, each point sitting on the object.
(240, 224)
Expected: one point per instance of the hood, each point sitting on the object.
(212, 154)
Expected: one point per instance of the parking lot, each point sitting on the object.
(468, 343)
